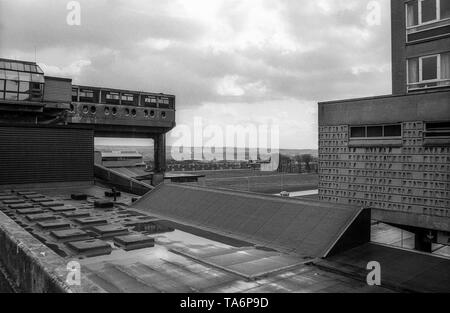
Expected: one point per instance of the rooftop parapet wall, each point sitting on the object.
(433, 106)
(31, 266)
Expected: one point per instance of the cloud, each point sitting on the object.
(261, 55)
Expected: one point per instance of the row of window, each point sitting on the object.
(429, 71)
(18, 90)
(22, 76)
(20, 66)
(376, 131)
(88, 96)
(440, 129)
(432, 129)
(422, 12)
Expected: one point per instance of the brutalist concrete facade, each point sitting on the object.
(392, 153)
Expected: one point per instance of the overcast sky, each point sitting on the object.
(227, 61)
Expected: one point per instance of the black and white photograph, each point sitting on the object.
(224, 152)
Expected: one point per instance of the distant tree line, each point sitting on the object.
(304, 163)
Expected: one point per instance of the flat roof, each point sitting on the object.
(182, 258)
(124, 90)
(412, 94)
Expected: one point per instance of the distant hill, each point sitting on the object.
(147, 151)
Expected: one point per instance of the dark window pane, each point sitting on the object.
(438, 126)
(441, 129)
(392, 131)
(428, 10)
(412, 17)
(374, 131)
(36, 86)
(445, 9)
(357, 132)
(12, 85)
(429, 68)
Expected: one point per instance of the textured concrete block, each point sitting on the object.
(30, 211)
(78, 196)
(76, 214)
(21, 206)
(134, 241)
(110, 230)
(90, 221)
(62, 209)
(103, 204)
(92, 247)
(40, 217)
(54, 225)
(71, 235)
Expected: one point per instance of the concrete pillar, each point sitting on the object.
(422, 242)
(160, 159)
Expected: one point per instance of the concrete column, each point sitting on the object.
(422, 242)
(160, 159)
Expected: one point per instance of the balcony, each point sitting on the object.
(432, 84)
(427, 31)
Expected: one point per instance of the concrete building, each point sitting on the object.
(392, 153)
(49, 118)
(121, 158)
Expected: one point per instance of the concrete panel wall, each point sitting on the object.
(409, 178)
(57, 90)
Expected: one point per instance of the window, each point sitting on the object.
(86, 94)
(25, 77)
(445, 9)
(12, 75)
(437, 129)
(24, 96)
(127, 97)
(376, 131)
(37, 78)
(358, 132)
(11, 96)
(74, 94)
(2, 95)
(2, 85)
(419, 12)
(392, 130)
(12, 85)
(24, 87)
(150, 100)
(428, 9)
(428, 68)
(112, 96)
(429, 71)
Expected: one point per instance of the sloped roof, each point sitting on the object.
(306, 227)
